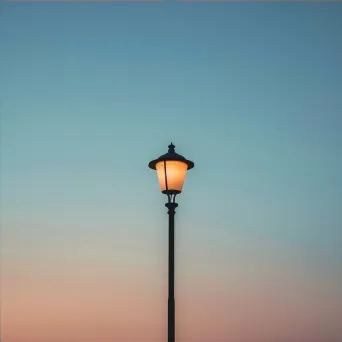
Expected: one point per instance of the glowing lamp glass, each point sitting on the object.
(175, 173)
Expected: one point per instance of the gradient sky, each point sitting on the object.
(90, 93)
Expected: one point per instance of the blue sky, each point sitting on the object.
(90, 93)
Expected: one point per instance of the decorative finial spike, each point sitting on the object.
(172, 148)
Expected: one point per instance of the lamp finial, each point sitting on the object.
(172, 148)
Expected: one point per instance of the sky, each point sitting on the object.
(91, 92)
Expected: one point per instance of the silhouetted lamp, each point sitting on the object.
(171, 170)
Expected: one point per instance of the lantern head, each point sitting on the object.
(171, 170)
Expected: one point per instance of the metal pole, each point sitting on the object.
(171, 299)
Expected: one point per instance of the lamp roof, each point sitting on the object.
(171, 155)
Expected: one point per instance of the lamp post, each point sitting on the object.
(171, 170)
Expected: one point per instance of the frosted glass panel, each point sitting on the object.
(175, 171)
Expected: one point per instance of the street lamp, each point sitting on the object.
(171, 170)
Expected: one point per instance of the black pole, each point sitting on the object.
(171, 299)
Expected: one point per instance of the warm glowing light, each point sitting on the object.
(175, 173)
